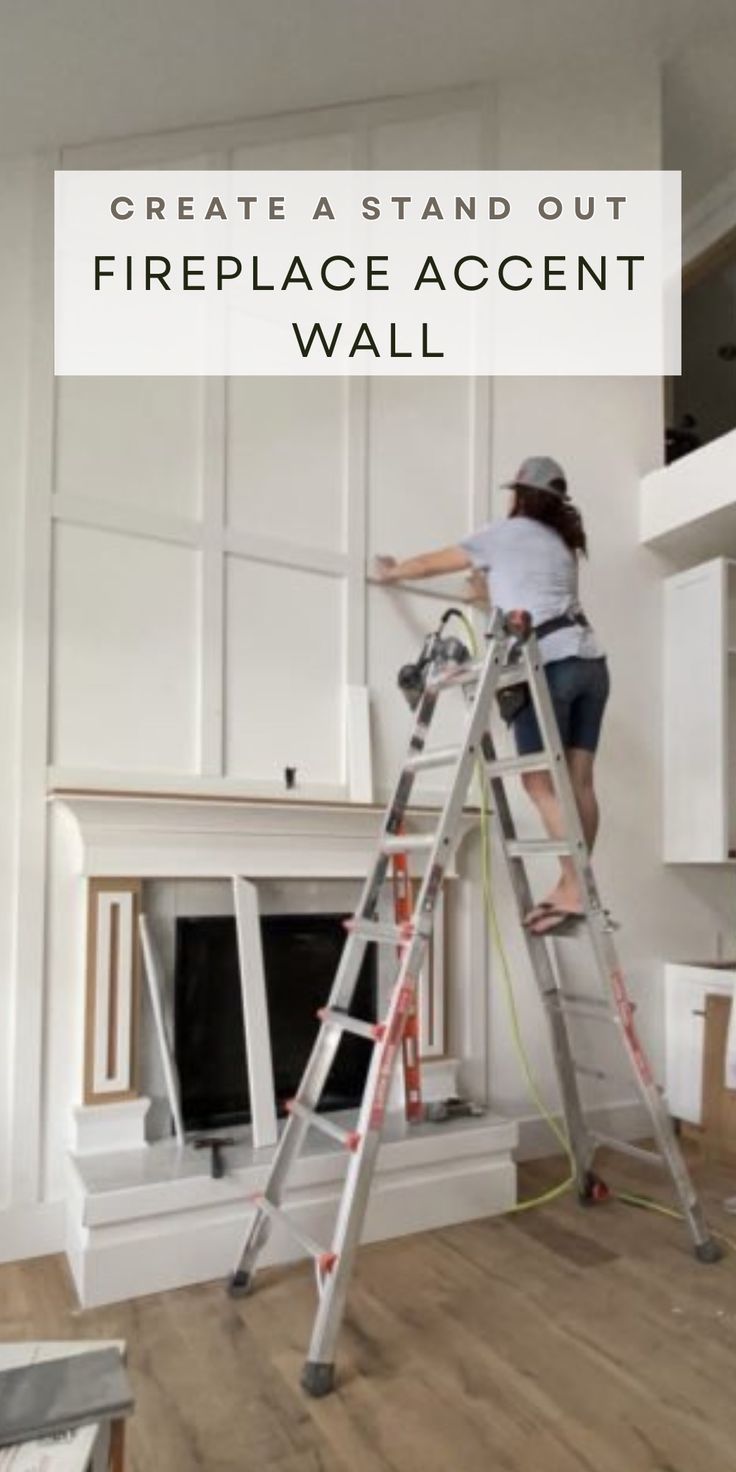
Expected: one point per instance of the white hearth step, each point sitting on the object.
(349, 1139)
(144, 1221)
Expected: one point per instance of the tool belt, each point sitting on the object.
(513, 701)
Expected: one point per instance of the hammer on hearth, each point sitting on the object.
(215, 1143)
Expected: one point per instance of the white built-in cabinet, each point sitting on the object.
(687, 988)
(700, 714)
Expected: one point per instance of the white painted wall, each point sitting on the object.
(186, 556)
(15, 192)
(606, 433)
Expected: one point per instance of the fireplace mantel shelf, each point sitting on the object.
(183, 835)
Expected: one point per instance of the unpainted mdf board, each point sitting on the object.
(719, 1103)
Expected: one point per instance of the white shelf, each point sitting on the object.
(699, 733)
(688, 509)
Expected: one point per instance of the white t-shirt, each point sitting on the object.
(529, 566)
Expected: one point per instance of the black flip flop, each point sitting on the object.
(562, 922)
(538, 912)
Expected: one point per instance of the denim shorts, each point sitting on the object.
(579, 690)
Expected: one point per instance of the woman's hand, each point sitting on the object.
(477, 588)
(385, 568)
(427, 565)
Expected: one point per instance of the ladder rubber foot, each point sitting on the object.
(594, 1192)
(709, 1250)
(317, 1379)
(239, 1284)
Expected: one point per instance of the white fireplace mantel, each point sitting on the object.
(203, 838)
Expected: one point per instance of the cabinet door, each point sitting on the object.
(695, 737)
(686, 988)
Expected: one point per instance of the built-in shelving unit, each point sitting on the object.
(700, 714)
(688, 509)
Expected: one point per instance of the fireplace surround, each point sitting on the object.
(144, 1213)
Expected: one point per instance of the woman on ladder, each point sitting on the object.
(530, 560)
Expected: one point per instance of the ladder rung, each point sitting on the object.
(585, 999)
(592, 1012)
(650, 1157)
(438, 756)
(349, 1139)
(517, 848)
(325, 1259)
(508, 765)
(465, 674)
(382, 934)
(517, 675)
(373, 1031)
(587, 1072)
(604, 1004)
(407, 843)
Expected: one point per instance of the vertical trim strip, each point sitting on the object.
(113, 984)
(26, 1024)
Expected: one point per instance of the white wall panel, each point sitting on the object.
(133, 440)
(284, 673)
(398, 623)
(124, 662)
(330, 151)
(287, 457)
(450, 141)
(419, 463)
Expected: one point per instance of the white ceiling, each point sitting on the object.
(73, 71)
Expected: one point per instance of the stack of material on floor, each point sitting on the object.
(62, 1406)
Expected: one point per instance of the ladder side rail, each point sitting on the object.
(581, 1144)
(606, 956)
(361, 1165)
(346, 977)
(354, 1199)
(608, 962)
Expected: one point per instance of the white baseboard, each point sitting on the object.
(32, 1231)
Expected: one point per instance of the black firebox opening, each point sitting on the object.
(300, 953)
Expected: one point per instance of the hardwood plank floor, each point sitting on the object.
(559, 1340)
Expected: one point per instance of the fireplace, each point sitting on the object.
(144, 1213)
(300, 953)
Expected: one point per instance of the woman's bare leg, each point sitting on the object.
(580, 766)
(540, 788)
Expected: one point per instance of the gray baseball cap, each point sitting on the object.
(537, 474)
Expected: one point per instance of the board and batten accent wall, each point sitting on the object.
(211, 538)
(188, 607)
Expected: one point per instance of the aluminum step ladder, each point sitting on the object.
(511, 658)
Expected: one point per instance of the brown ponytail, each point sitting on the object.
(555, 511)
